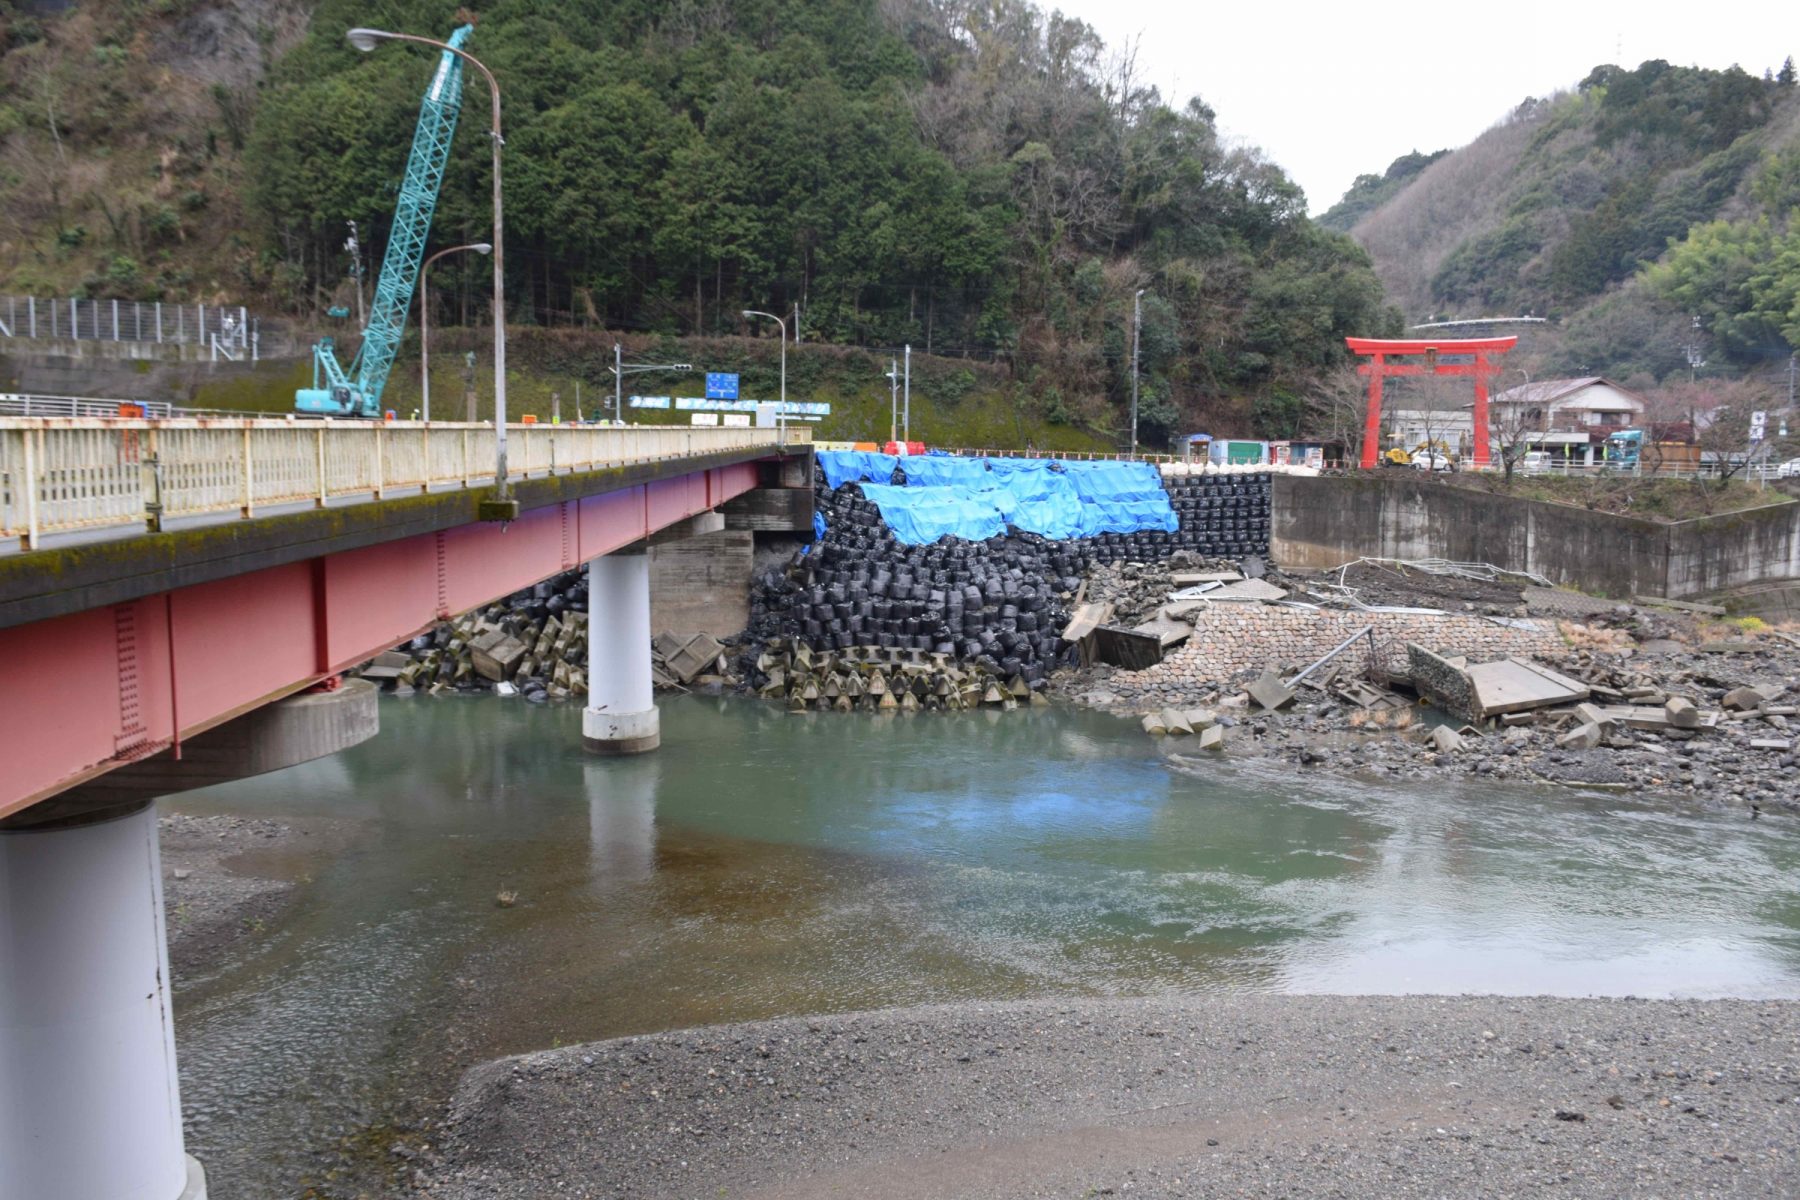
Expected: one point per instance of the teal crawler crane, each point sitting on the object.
(355, 390)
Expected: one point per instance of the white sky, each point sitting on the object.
(1335, 90)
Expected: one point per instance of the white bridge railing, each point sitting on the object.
(64, 474)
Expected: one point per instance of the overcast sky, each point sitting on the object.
(1333, 91)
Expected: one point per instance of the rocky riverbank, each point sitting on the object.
(1239, 1095)
(1733, 743)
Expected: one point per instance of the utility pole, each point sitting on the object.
(1137, 322)
(469, 387)
(354, 246)
(618, 381)
(893, 375)
(906, 411)
(796, 322)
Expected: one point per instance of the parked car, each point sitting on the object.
(1427, 460)
(1789, 469)
(1535, 462)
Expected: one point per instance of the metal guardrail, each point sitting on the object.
(59, 475)
(229, 329)
(21, 404)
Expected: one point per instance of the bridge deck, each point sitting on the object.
(118, 648)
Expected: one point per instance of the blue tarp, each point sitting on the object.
(854, 466)
(931, 470)
(976, 498)
(921, 515)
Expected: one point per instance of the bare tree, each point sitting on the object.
(1336, 403)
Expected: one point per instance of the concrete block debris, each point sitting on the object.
(1585, 736)
(1751, 697)
(1269, 691)
(689, 656)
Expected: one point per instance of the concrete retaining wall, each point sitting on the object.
(1323, 522)
(702, 584)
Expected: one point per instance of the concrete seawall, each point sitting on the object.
(1322, 522)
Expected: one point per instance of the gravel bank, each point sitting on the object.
(227, 879)
(1236, 1096)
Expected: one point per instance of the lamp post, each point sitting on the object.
(1137, 323)
(366, 40)
(425, 319)
(893, 376)
(781, 413)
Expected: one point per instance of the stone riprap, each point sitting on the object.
(1233, 641)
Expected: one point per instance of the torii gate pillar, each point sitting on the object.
(1379, 350)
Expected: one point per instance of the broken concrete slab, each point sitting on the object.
(1781, 744)
(1269, 691)
(1166, 630)
(1517, 684)
(1191, 578)
(1730, 646)
(1446, 740)
(1247, 591)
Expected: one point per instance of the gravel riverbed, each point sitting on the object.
(1248, 1095)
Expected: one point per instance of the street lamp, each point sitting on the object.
(366, 40)
(1137, 322)
(425, 318)
(780, 413)
(893, 378)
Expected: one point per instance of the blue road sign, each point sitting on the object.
(721, 386)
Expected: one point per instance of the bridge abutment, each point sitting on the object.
(621, 716)
(90, 1106)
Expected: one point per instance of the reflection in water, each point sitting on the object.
(763, 864)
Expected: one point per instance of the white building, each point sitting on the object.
(1588, 405)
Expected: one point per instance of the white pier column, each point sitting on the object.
(90, 1108)
(621, 714)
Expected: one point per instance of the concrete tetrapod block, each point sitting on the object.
(1153, 724)
(1212, 738)
(1583, 737)
(1175, 721)
(1269, 691)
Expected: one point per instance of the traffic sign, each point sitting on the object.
(1759, 425)
(721, 386)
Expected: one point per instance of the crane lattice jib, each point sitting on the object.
(412, 224)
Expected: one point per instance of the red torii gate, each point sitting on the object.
(1379, 350)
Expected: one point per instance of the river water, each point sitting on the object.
(765, 864)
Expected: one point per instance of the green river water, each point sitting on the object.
(764, 864)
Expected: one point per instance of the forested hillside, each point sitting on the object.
(1622, 210)
(978, 179)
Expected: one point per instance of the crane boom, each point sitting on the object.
(355, 391)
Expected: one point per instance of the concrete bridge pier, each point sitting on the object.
(620, 717)
(90, 1107)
